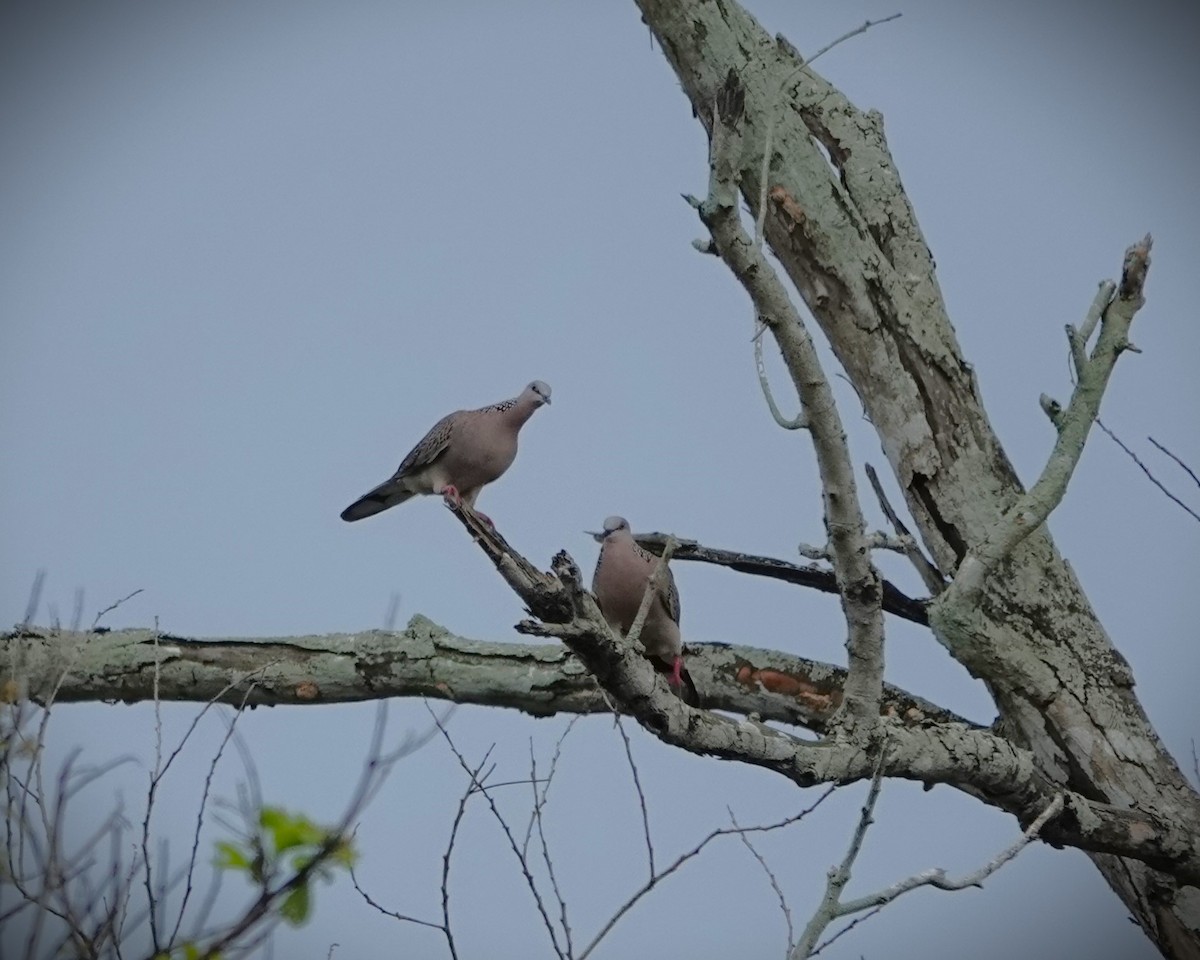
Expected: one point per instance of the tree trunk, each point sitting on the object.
(839, 222)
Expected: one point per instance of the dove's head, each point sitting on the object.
(612, 526)
(537, 393)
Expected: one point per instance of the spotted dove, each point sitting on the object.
(465, 451)
(622, 572)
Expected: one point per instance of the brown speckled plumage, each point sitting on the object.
(619, 583)
(464, 451)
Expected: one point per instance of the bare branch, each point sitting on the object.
(936, 877)
(541, 797)
(423, 660)
(839, 876)
(394, 914)
(817, 554)
(895, 601)
(1078, 339)
(844, 524)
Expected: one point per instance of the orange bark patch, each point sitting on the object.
(788, 685)
(787, 204)
(307, 690)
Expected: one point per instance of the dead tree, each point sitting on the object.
(1073, 750)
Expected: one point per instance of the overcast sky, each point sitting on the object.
(251, 251)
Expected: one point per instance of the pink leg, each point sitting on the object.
(484, 517)
(450, 494)
(677, 672)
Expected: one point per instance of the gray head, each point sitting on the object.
(537, 392)
(612, 525)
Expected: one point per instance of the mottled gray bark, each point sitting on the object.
(841, 225)
(423, 660)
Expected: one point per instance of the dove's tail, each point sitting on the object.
(385, 495)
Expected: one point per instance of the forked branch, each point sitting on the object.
(1113, 310)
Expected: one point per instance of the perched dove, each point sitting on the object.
(465, 451)
(622, 573)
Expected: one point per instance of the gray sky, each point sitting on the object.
(249, 252)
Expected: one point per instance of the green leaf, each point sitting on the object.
(289, 831)
(271, 818)
(230, 857)
(296, 906)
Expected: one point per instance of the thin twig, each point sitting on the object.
(861, 28)
(530, 882)
(800, 420)
(683, 858)
(394, 914)
(1077, 339)
(930, 575)
(154, 902)
(35, 598)
(541, 797)
(637, 786)
(772, 879)
(538, 806)
(150, 796)
(1190, 472)
(204, 794)
(1146, 470)
(113, 606)
(444, 926)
